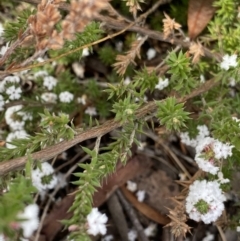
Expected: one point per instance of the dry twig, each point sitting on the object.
(132, 215)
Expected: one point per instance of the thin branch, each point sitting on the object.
(221, 233)
(133, 217)
(50, 152)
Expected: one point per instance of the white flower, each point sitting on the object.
(9, 79)
(132, 235)
(222, 150)
(127, 81)
(209, 151)
(2, 103)
(131, 186)
(185, 138)
(49, 97)
(209, 237)
(18, 134)
(141, 146)
(85, 52)
(229, 61)
(1, 30)
(13, 92)
(119, 46)
(204, 161)
(2, 86)
(4, 49)
(50, 82)
(30, 224)
(150, 230)
(232, 82)
(221, 179)
(61, 180)
(238, 229)
(13, 117)
(151, 53)
(235, 119)
(162, 84)
(206, 165)
(41, 73)
(66, 97)
(40, 59)
(91, 111)
(203, 131)
(12, 79)
(140, 195)
(208, 194)
(78, 69)
(107, 238)
(2, 238)
(45, 178)
(82, 100)
(202, 79)
(96, 222)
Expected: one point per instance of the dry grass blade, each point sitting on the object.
(123, 61)
(196, 50)
(134, 6)
(169, 25)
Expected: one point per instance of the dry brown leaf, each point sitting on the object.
(145, 209)
(199, 14)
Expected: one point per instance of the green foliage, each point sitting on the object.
(91, 33)
(214, 108)
(226, 10)
(57, 126)
(125, 109)
(13, 29)
(202, 206)
(53, 130)
(145, 81)
(171, 114)
(227, 130)
(19, 54)
(13, 202)
(180, 70)
(156, 21)
(99, 167)
(107, 54)
(177, 7)
(92, 89)
(223, 28)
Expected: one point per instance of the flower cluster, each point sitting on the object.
(44, 178)
(209, 151)
(10, 88)
(229, 61)
(205, 201)
(16, 118)
(162, 83)
(29, 219)
(50, 83)
(202, 133)
(96, 222)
